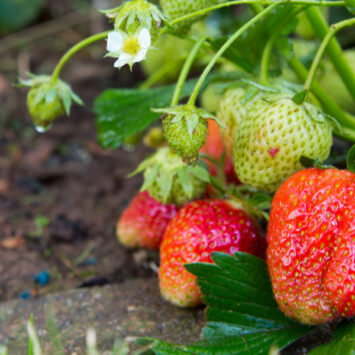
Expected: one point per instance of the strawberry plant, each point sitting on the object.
(252, 124)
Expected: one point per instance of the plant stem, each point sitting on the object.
(332, 31)
(265, 60)
(346, 120)
(255, 4)
(220, 52)
(334, 49)
(80, 45)
(185, 71)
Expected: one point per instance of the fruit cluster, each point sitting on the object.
(251, 137)
(311, 233)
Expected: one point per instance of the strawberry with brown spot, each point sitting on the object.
(200, 228)
(311, 245)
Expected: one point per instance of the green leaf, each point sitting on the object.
(343, 342)
(243, 317)
(122, 113)
(350, 160)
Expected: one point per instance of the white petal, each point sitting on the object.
(141, 55)
(114, 41)
(122, 60)
(144, 38)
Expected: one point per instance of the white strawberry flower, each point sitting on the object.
(129, 49)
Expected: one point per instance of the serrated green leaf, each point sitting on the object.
(343, 341)
(122, 113)
(243, 317)
(350, 160)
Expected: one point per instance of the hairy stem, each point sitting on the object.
(185, 71)
(80, 45)
(221, 51)
(334, 49)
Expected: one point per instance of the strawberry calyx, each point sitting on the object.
(185, 129)
(135, 14)
(170, 181)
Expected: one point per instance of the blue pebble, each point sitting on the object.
(90, 261)
(25, 295)
(42, 278)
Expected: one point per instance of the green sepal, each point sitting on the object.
(166, 184)
(201, 173)
(185, 181)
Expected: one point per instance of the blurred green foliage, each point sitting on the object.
(17, 14)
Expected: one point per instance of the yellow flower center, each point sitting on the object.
(131, 46)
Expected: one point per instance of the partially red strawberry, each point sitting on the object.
(144, 221)
(311, 245)
(200, 228)
(214, 148)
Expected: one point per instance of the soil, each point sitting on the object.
(63, 175)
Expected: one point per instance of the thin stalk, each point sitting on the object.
(185, 71)
(80, 45)
(331, 33)
(346, 120)
(265, 60)
(334, 50)
(226, 45)
(255, 4)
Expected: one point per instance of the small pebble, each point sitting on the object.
(26, 295)
(42, 278)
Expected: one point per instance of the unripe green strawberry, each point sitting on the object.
(170, 181)
(274, 135)
(185, 129)
(174, 9)
(44, 112)
(231, 112)
(48, 99)
(181, 141)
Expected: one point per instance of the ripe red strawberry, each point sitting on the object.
(144, 221)
(214, 148)
(200, 228)
(311, 245)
